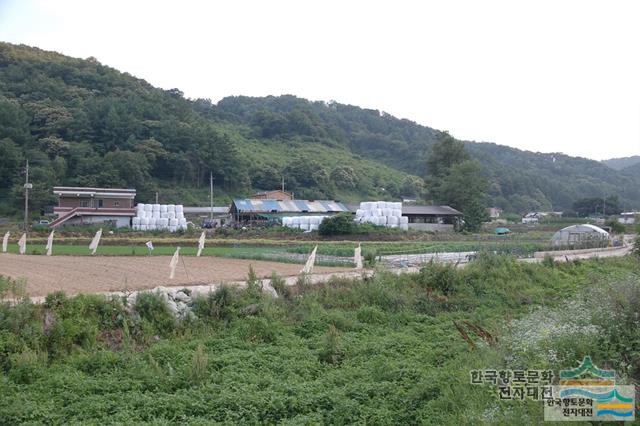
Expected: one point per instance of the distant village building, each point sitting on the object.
(93, 206)
(247, 210)
(532, 218)
(432, 218)
(494, 212)
(277, 194)
(627, 218)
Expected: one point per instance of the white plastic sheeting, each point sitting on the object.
(382, 213)
(161, 217)
(306, 223)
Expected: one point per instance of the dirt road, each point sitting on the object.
(89, 274)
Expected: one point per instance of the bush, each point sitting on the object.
(153, 308)
(442, 277)
(616, 227)
(340, 224)
(217, 305)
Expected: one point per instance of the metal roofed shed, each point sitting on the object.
(585, 235)
(432, 218)
(244, 210)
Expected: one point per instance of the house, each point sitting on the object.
(246, 210)
(273, 195)
(494, 212)
(532, 218)
(627, 218)
(93, 206)
(432, 218)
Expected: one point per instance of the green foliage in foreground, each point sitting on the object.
(377, 351)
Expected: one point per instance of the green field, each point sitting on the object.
(380, 351)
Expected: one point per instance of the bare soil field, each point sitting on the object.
(98, 274)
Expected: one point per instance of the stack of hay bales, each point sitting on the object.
(382, 213)
(306, 223)
(162, 217)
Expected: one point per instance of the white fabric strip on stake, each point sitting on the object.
(5, 242)
(201, 243)
(50, 244)
(308, 267)
(174, 263)
(357, 257)
(22, 243)
(96, 240)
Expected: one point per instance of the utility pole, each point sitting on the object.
(211, 195)
(604, 207)
(283, 183)
(27, 187)
(156, 197)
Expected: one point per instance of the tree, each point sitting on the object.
(474, 214)
(445, 153)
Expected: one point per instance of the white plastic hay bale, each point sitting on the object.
(404, 226)
(173, 228)
(135, 227)
(155, 207)
(393, 226)
(313, 227)
(393, 220)
(173, 222)
(397, 205)
(387, 212)
(144, 221)
(171, 207)
(179, 208)
(163, 208)
(183, 223)
(286, 221)
(382, 221)
(360, 213)
(148, 207)
(404, 220)
(163, 221)
(171, 215)
(142, 227)
(135, 221)
(396, 212)
(315, 220)
(179, 216)
(295, 221)
(379, 212)
(164, 215)
(304, 226)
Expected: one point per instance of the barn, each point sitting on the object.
(256, 210)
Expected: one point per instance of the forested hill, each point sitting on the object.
(82, 123)
(623, 162)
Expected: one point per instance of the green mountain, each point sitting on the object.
(622, 162)
(82, 123)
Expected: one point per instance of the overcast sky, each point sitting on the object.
(544, 76)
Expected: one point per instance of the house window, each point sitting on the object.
(100, 203)
(84, 203)
(116, 204)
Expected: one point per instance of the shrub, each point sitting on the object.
(616, 227)
(27, 367)
(16, 289)
(442, 277)
(199, 364)
(216, 305)
(256, 330)
(153, 308)
(330, 352)
(371, 315)
(280, 286)
(340, 224)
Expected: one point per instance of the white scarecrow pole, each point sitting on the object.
(96, 240)
(50, 244)
(22, 243)
(149, 245)
(357, 257)
(5, 242)
(201, 243)
(308, 267)
(174, 263)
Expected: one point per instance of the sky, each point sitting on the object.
(547, 76)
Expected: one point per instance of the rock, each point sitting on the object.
(181, 306)
(182, 297)
(252, 309)
(172, 307)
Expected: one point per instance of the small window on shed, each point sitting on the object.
(116, 204)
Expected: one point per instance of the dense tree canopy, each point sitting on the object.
(82, 123)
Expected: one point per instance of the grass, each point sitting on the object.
(379, 351)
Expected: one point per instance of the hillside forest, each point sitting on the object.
(81, 123)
